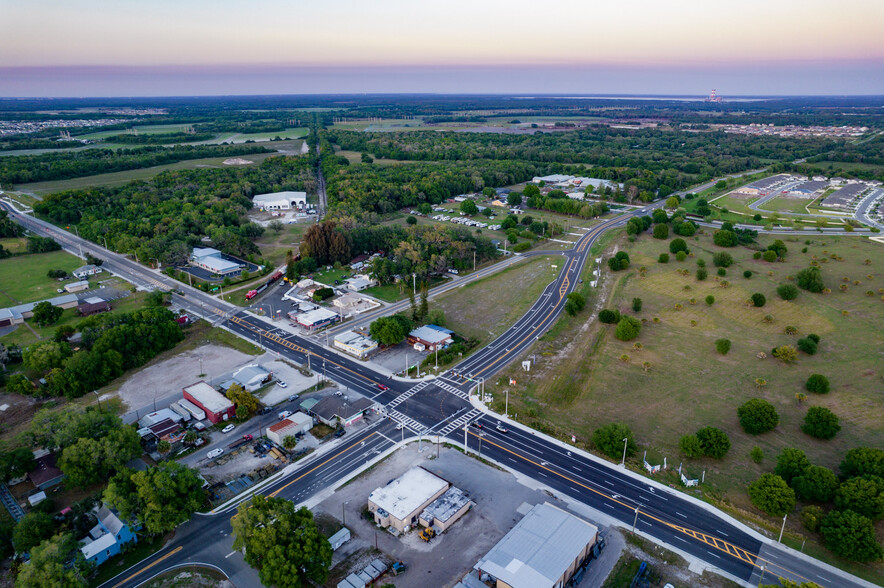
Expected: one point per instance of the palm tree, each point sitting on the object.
(289, 442)
(646, 365)
(164, 447)
(760, 383)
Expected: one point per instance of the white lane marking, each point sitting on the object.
(679, 514)
(542, 474)
(723, 533)
(610, 505)
(229, 554)
(712, 554)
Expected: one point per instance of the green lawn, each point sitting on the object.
(14, 244)
(580, 382)
(23, 277)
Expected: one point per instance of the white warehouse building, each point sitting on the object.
(280, 200)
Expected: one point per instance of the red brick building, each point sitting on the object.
(217, 407)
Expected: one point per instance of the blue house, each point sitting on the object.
(107, 537)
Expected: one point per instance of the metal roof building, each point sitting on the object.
(217, 406)
(280, 200)
(842, 198)
(543, 550)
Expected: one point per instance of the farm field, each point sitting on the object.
(580, 381)
(23, 277)
(114, 179)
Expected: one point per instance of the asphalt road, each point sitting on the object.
(441, 407)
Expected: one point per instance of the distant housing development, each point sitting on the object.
(280, 200)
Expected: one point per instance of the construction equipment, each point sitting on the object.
(428, 534)
(397, 568)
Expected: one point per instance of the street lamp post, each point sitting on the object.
(98, 398)
(783, 528)
(623, 461)
(506, 406)
(635, 520)
(343, 513)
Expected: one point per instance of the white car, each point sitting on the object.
(399, 426)
(214, 453)
(228, 428)
(281, 384)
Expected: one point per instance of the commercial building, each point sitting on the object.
(355, 344)
(446, 510)
(106, 539)
(250, 377)
(213, 261)
(316, 319)
(280, 200)
(332, 410)
(430, 338)
(399, 503)
(93, 305)
(543, 550)
(216, 406)
(296, 423)
(81, 273)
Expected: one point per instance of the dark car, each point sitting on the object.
(477, 424)
(294, 397)
(265, 410)
(340, 432)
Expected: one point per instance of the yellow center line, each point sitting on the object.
(148, 566)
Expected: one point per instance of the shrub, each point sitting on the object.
(723, 346)
(609, 440)
(806, 345)
(715, 442)
(681, 256)
(701, 273)
(811, 517)
(722, 272)
(661, 231)
(677, 245)
(769, 256)
(722, 259)
(664, 258)
(861, 461)
(851, 535)
(636, 304)
(628, 328)
(701, 262)
(411, 220)
(756, 255)
(820, 422)
(690, 446)
(814, 337)
(725, 238)
(791, 463)
(747, 274)
(785, 353)
(608, 316)
(771, 494)
(815, 483)
(788, 292)
(710, 300)
(758, 416)
(756, 455)
(810, 279)
(619, 262)
(864, 495)
(575, 303)
(758, 300)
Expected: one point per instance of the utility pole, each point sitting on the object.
(474, 260)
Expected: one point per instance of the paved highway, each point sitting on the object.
(441, 407)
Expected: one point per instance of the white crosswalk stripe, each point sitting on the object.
(459, 422)
(451, 389)
(405, 420)
(408, 394)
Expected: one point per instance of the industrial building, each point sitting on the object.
(400, 503)
(280, 200)
(213, 261)
(292, 425)
(543, 550)
(216, 406)
(355, 344)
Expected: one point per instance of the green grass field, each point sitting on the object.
(114, 179)
(14, 244)
(23, 277)
(142, 130)
(580, 382)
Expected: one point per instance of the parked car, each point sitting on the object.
(340, 432)
(228, 428)
(265, 410)
(281, 384)
(214, 453)
(284, 414)
(247, 437)
(294, 397)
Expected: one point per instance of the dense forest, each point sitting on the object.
(166, 216)
(86, 162)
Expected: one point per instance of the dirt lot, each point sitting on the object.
(183, 369)
(446, 559)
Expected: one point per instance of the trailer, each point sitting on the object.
(195, 411)
(242, 440)
(180, 410)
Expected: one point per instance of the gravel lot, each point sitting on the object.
(171, 375)
(447, 558)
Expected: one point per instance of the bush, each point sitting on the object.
(785, 353)
(807, 345)
(620, 261)
(817, 383)
(747, 274)
(710, 300)
(820, 422)
(862, 461)
(523, 246)
(701, 273)
(791, 463)
(725, 238)
(850, 535)
(701, 262)
(722, 346)
(664, 258)
(758, 416)
(628, 328)
(756, 255)
(690, 446)
(714, 442)
(788, 291)
(810, 279)
(608, 316)
(771, 494)
(769, 256)
(609, 440)
(677, 245)
(756, 455)
(681, 256)
(758, 300)
(411, 220)
(722, 259)
(636, 304)
(661, 231)
(575, 303)
(814, 337)
(863, 495)
(811, 517)
(815, 483)
(722, 272)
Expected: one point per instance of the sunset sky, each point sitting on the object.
(163, 47)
